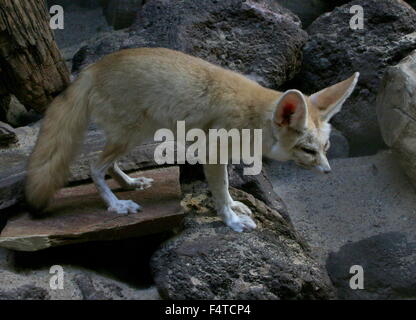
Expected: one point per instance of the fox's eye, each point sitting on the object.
(309, 151)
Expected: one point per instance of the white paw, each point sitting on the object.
(124, 207)
(141, 183)
(238, 223)
(240, 208)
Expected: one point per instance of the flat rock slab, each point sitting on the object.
(77, 214)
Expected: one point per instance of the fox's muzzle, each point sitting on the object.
(323, 169)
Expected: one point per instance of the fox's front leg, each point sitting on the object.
(217, 177)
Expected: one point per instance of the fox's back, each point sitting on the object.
(152, 70)
(166, 85)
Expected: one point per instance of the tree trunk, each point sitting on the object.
(31, 65)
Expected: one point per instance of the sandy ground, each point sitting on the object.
(363, 198)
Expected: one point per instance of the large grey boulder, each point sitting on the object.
(258, 38)
(309, 11)
(208, 260)
(389, 264)
(340, 147)
(122, 13)
(396, 109)
(83, 20)
(335, 51)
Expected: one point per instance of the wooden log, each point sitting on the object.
(31, 65)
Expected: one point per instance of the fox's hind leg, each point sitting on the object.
(127, 182)
(107, 159)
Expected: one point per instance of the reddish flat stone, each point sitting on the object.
(77, 214)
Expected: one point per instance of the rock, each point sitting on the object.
(122, 13)
(87, 288)
(258, 186)
(210, 261)
(17, 115)
(11, 191)
(12, 166)
(79, 284)
(7, 135)
(25, 292)
(94, 288)
(307, 11)
(389, 264)
(91, 289)
(258, 38)
(396, 111)
(339, 147)
(84, 20)
(16, 111)
(78, 214)
(335, 51)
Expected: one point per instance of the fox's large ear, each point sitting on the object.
(330, 100)
(291, 110)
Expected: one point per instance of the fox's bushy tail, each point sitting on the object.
(60, 136)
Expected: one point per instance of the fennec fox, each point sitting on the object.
(132, 93)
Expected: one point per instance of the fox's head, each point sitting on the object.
(300, 124)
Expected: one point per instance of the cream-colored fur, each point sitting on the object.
(133, 93)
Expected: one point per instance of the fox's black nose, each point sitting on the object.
(327, 171)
